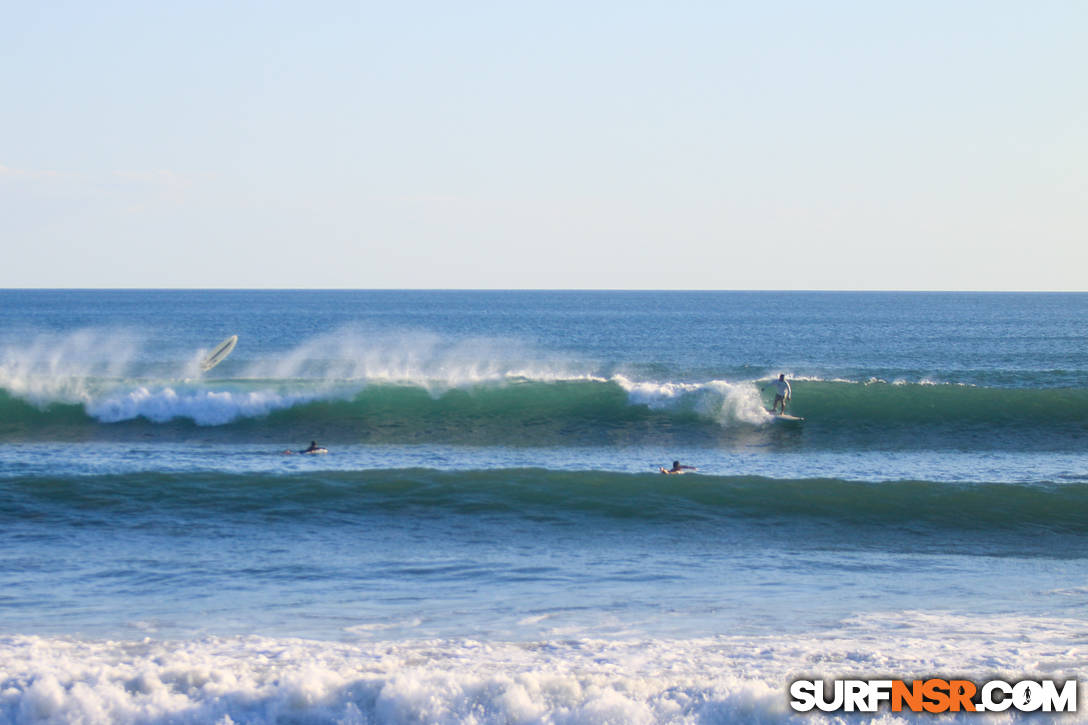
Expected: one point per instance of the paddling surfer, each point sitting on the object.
(314, 448)
(677, 468)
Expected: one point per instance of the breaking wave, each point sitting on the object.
(422, 388)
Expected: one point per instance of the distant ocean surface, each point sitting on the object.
(489, 539)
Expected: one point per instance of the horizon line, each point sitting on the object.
(540, 289)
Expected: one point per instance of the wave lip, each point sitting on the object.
(723, 402)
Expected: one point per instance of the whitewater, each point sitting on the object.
(489, 539)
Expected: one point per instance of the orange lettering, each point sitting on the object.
(961, 692)
(911, 695)
(936, 691)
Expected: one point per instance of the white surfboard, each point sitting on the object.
(219, 354)
(786, 418)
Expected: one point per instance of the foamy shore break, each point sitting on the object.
(710, 680)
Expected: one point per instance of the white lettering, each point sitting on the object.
(879, 691)
(821, 697)
(854, 697)
(1027, 696)
(1064, 701)
(989, 703)
(803, 693)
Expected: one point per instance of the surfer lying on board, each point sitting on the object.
(677, 468)
(314, 448)
(784, 393)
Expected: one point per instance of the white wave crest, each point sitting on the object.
(203, 406)
(423, 359)
(723, 402)
(55, 368)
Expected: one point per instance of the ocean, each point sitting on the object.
(489, 538)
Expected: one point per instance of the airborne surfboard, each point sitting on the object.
(219, 354)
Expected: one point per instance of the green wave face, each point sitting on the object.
(566, 412)
(975, 508)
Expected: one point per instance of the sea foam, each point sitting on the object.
(723, 679)
(203, 406)
(723, 402)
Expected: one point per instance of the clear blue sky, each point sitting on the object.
(680, 145)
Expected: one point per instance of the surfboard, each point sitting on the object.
(785, 418)
(219, 353)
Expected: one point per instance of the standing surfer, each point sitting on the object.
(784, 392)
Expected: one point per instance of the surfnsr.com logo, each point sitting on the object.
(934, 695)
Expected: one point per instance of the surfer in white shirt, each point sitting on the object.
(782, 394)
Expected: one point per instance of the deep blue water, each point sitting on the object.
(493, 457)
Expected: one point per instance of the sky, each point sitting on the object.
(545, 145)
